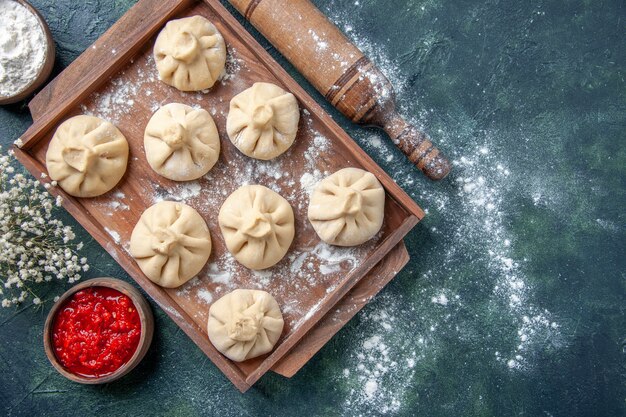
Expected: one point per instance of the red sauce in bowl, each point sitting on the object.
(95, 332)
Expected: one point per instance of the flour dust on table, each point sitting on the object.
(474, 291)
(504, 320)
(119, 97)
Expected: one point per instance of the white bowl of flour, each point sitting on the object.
(26, 51)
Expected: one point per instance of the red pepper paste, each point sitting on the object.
(96, 331)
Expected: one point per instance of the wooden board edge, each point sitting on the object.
(359, 296)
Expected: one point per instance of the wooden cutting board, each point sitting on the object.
(374, 281)
(115, 80)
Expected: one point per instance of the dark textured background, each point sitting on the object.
(540, 87)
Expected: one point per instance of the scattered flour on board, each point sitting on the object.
(118, 97)
(115, 235)
(114, 204)
(309, 180)
(183, 192)
(220, 273)
(117, 206)
(188, 190)
(232, 67)
(205, 296)
(313, 176)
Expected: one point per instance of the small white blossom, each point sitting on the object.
(34, 246)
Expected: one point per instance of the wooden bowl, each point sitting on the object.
(145, 316)
(46, 68)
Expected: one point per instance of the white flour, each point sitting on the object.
(205, 296)
(22, 48)
(118, 97)
(116, 236)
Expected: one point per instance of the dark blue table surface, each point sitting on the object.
(513, 301)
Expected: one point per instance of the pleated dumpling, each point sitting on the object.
(245, 324)
(190, 53)
(258, 226)
(171, 243)
(87, 156)
(181, 142)
(263, 121)
(347, 207)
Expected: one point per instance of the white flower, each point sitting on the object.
(34, 246)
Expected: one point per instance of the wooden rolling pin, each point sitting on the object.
(340, 71)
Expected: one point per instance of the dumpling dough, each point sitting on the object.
(258, 226)
(347, 208)
(190, 53)
(181, 142)
(171, 243)
(87, 156)
(245, 324)
(263, 121)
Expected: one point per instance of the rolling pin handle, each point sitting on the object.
(417, 146)
(340, 71)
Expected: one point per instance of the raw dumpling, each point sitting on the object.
(347, 208)
(181, 142)
(258, 226)
(190, 53)
(245, 324)
(87, 156)
(171, 243)
(263, 121)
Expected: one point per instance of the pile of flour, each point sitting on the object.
(22, 47)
